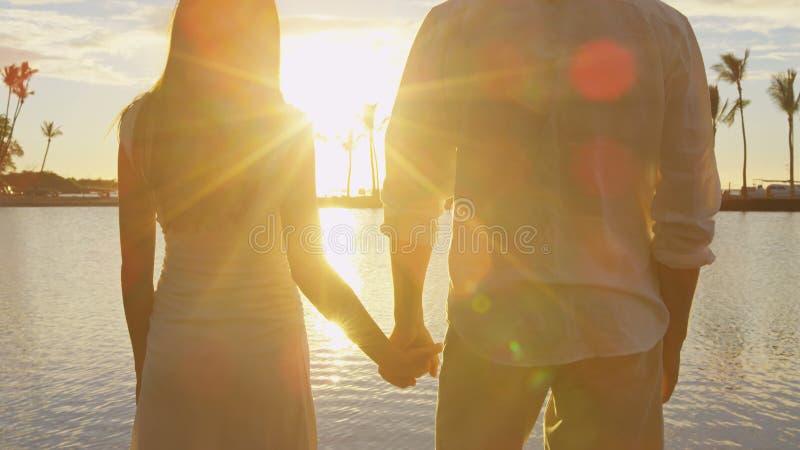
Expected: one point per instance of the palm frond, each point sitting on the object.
(732, 69)
(713, 92)
(745, 61)
(730, 117)
(733, 64)
(723, 111)
(781, 91)
(722, 72)
(50, 130)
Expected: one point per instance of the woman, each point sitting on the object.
(213, 154)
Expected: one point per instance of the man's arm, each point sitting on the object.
(419, 176)
(687, 197)
(677, 292)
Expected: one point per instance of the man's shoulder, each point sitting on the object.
(657, 11)
(449, 8)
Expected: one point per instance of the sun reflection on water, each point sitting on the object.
(340, 241)
(339, 234)
(334, 338)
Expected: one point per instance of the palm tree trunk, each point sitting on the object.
(6, 123)
(8, 102)
(377, 189)
(373, 164)
(349, 171)
(377, 175)
(744, 140)
(10, 136)
(47, 150)
(791, 156)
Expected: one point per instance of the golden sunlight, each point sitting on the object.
(318, 78)
(340, 245)
(336, 339)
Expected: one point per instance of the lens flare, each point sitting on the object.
(481, 304)
(603, 71)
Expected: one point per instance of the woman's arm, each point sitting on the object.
(137, 232)
(323, 286)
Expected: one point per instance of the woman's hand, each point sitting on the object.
(416, 336)
(401, 368)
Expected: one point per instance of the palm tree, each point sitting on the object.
(733, 70)
(18, 79)
(781, 90)
(50, 131)
(719, 115)
(368, 119)
(349, 144)
(14, 150)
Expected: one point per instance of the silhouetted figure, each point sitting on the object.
(575, 136)
(227, 169)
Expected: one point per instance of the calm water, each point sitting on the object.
(66, 373)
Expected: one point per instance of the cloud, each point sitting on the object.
(78, 47)
(41, 2)
(124, 41)
(762, 14)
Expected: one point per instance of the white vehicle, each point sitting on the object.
(782, 191)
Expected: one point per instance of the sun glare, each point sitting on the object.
(335, 339)
(331, 76)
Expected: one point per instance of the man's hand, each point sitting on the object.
(402, 367)
(677, 292)
(416, 336)
(673, 342)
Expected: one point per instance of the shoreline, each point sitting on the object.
(83, 202)
(728, 204)
(731, 204)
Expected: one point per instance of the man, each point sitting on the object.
(575, 137)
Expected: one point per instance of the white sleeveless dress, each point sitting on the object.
(227, 355)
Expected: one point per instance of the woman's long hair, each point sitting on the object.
(207, 122)
(228, 41)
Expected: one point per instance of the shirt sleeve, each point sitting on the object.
(420, 154)
(688, 195)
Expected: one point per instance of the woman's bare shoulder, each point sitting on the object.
(127, 126)
(127, 118)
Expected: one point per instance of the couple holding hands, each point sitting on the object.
(579, 131)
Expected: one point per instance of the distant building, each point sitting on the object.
(752, 192)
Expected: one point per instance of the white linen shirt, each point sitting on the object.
(576, 136)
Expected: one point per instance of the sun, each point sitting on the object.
(331, 76)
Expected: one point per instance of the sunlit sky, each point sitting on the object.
(96, 55)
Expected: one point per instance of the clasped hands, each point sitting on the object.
(412, 355)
